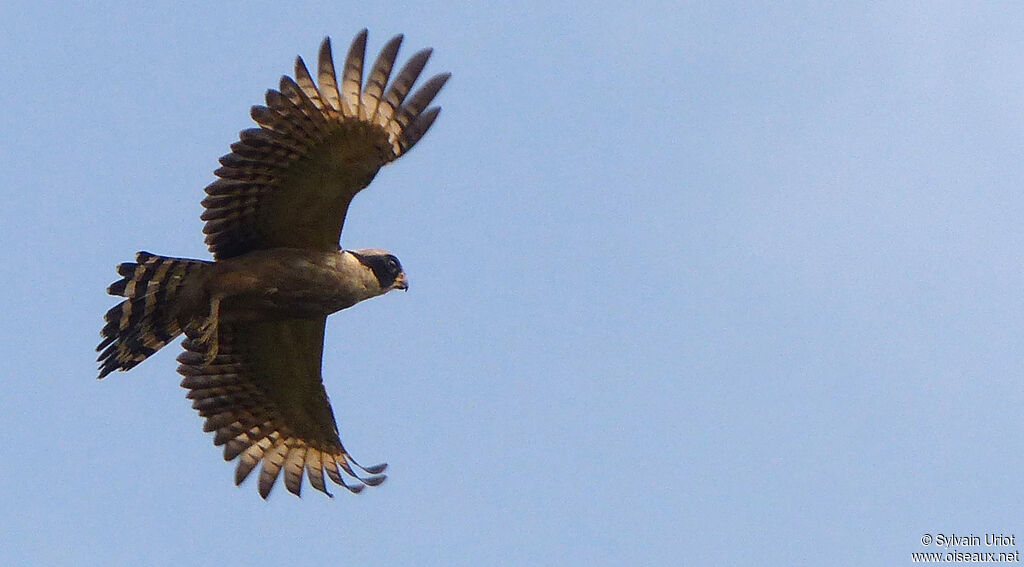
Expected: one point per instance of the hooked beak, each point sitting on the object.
(401, 283)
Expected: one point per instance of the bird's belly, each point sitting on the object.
(284, 283)
(272, 304)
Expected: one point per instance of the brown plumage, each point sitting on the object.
(254, 317)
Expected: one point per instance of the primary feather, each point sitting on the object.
(289, 183)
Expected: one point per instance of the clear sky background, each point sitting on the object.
(690, 284)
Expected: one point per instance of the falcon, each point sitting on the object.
(253, 318)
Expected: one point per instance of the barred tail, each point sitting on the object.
(145, 321)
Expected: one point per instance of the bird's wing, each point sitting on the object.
(263, 398)
(289, 182)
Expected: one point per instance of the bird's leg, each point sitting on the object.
(209, 329)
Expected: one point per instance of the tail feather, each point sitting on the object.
(147, 319)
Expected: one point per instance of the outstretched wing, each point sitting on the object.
(263, 397)
(289, 182)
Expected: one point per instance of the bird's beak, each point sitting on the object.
(401, 283)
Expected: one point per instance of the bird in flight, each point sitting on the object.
(254, 317)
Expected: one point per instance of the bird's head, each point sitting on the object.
(386, 269)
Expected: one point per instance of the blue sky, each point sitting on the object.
(689, 283)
